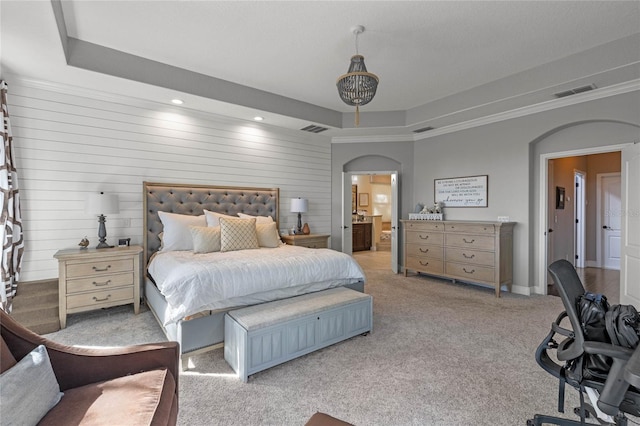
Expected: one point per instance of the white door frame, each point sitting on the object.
(580, 180)
(599, 201)
(541, 261)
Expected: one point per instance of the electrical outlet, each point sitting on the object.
(503, 218)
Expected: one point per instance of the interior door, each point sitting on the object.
(630, 226)
(394, 222)
(610, 211)
(347, 237)
(551, 215)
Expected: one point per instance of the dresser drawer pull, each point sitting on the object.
(95, 268)
(102, 300)
(468, 257)
(423, 251)
(423, 238)
(468, 242)
(469, 272)
(102, 284)
(423, 263)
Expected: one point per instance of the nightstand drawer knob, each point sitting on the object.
(95, 268)
(102, 284)
(102, 300)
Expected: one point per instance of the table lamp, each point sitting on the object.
(299, 205)
(102, 204)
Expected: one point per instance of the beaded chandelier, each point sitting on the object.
(357, 87)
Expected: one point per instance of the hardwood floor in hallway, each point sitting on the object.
(370, 260)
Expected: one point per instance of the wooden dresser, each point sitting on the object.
(477, 252)
(98, 278)
(361, 236)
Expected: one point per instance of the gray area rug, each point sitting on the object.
(440, 353)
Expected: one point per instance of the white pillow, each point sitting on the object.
(268, 235)
(213, 218)
(29, 389)
(238, 234)
(206, 239)
(259, 219)
(176, 234)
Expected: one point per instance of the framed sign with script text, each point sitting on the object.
(468, 191)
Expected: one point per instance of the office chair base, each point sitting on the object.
(540, 419)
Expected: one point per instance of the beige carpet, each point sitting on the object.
(440, 354)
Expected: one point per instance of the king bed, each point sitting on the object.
(190, 284)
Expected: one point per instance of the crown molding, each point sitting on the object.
(605, 92)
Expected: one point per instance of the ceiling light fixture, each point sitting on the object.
(357, 87)
(258, 118)
(177, 101)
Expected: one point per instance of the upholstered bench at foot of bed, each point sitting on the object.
(262, 336)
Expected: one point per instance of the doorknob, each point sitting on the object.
(550, 230)
(345, 227)
(605, 227)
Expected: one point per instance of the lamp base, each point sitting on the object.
(102, 233)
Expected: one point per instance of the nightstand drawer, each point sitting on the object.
(99, 267)
(319, 243)
(98, 283)
(98, 298)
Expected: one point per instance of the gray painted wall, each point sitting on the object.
(508, 152)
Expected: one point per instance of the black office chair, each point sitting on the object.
(616, 396)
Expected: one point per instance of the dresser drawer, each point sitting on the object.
(470, 228)
(97, 283)
(434, 238)
(100, 297)
(481, 242)
(424, 250)
(75, 270)
(425, 264)
(424, 226)
(471, 272)
(486, 258)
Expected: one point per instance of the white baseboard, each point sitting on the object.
(591, 264)
(522, 290)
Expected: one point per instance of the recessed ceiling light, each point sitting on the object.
(258, 118)
(177, 101)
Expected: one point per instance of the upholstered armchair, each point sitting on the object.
(133, 385)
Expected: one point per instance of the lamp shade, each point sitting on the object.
(299, 205)
(102, 204)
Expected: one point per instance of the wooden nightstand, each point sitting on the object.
(311, 240)
(98, 278)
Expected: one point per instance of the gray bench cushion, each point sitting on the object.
(266, 314)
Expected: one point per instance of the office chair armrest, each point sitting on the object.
(607, 349)
(632, 369)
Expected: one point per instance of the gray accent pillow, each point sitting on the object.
(29, 389)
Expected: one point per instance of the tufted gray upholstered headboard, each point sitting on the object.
(193, 199)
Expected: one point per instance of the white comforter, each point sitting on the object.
(192, 283)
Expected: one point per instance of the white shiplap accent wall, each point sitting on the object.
(69, 143)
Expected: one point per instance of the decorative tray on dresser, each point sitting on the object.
(476, 252)
(91, 279)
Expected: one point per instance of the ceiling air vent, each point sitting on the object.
(314, 129)
(424, 129)
(575, 91)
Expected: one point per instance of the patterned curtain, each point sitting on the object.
(10, 218)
